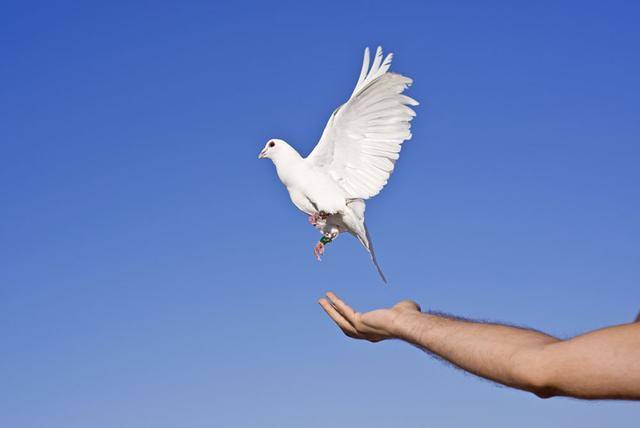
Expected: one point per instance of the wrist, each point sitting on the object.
(407, 326)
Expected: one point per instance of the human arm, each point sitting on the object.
(600, 364)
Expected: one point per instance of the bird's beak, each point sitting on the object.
(262, 153)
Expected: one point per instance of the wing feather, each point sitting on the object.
(364, 136)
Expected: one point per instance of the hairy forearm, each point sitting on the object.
(600, 364)
(497, 352)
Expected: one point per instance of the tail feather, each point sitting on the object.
(358, 228)
(373, 254)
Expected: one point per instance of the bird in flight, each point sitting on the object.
(354, 158)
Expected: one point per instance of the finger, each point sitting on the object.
(335, 315)
(345, 310)
(337, 318)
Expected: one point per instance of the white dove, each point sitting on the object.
(354, 157)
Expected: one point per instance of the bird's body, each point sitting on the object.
(311, 189)
(354, 158)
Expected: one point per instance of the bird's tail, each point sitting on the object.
(362, 233)
(373, 254)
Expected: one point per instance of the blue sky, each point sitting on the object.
(154, 272)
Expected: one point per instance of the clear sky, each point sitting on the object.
(153, 272)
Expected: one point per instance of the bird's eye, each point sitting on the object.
(271, 144)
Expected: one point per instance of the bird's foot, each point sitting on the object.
(317, 217)
(318, 251)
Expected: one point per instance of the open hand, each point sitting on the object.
(373, 326)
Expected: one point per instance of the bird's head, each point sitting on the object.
(273, 148)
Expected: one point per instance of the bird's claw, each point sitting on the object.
(327, 237)
(318, 250)
(316, 217)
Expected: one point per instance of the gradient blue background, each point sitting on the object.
(154, 273)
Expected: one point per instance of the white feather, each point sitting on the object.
(355, 155)
(363, 137)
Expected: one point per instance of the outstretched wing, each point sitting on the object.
(363, 138)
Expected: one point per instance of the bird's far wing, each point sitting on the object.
(363, 138)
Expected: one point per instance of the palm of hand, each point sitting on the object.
(373, 326)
